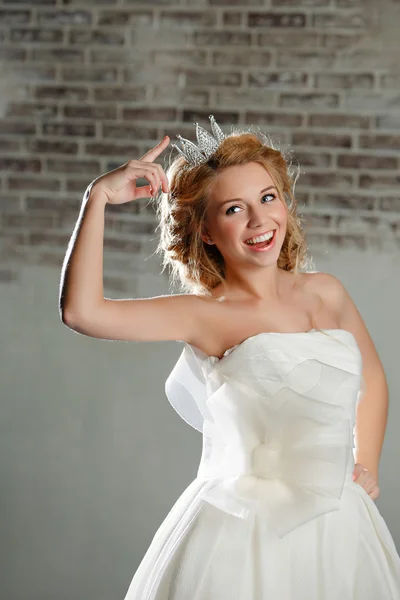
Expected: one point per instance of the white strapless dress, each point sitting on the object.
(273, 513)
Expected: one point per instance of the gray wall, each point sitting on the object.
(92, 456)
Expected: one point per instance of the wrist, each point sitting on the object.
(95, 195)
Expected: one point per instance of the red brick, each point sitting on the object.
(275, 119)
(309, 100)
(277, 80)
(328, 140)
(14, 16)
(67, 129)
(58, 54)
(35, 34)
(378, 181)
(232, 19)
(233, 2)
(90, 73)
(313, 159)
(327, 180)
(64, 17)
(52, 146)
(60, 165)
(380, 141)
(31, 72)
(28, 221)
(29, 165)
(61, 92)
(96, 36)
(339, 120)
(341, 41)
(12, 53)
(345, 80)
(305, 59)
(168, 58)
(108, 55)
(336, 19)
(30, 183)
(137, 17)
(9, 145)
(221, 38)
(390, 204)
(57, 205)
(363, 161)
(48, 238)
(194, 19)
(90, 111)
(131, 132)
(300, 3)
(273, 19)
(17, 127)
(250, 58)
(154, 114)
(289, 39)
(208, 77)
(118, 94)
(127, 151)
(348, 200)
(34, 109)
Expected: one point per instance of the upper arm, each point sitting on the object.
(142, 319)
(351, 320)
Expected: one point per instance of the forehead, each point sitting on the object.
(241, 180)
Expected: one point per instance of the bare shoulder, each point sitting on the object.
(322, 281)
(335, 294)
(328, 287)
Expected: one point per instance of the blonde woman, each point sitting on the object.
(278, 372)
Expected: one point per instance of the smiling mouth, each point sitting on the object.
(264, 241)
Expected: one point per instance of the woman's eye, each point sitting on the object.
(235, 206)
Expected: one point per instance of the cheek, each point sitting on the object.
(228, 228)
(281, 215)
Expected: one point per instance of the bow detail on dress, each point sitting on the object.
(281, 451)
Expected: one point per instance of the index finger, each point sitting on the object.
(152, 154)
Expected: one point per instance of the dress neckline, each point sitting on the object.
(217, 359)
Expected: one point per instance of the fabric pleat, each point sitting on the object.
(273, 512)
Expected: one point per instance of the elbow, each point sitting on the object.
(68, 318)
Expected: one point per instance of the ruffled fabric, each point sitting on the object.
(273, 511)
(195, 374)
(282, 450)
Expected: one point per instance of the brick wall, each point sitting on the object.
(86, 86)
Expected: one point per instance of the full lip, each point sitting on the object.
(259, 234)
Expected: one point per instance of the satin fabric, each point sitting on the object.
(273, 511)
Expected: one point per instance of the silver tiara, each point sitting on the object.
(207, 143)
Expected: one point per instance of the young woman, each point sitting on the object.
(278, 372)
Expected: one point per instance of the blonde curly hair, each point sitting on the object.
(196, 266)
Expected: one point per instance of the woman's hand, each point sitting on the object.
(364, 478)
(119, 186)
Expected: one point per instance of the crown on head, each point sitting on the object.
(207, 143)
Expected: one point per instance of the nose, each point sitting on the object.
(257, 219)
(260, 219)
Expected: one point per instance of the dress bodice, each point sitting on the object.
(277, 414)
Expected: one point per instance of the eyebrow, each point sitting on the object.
(271, 187)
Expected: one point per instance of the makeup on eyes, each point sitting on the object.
(264, 196)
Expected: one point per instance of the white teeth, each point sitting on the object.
(262, 238)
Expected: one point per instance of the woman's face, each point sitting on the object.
(256, 210)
